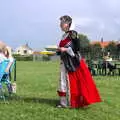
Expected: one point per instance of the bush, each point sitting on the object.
(23, 57)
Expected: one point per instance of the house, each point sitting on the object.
(24, 50)
(103, 44)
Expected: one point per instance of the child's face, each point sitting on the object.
(64, 26)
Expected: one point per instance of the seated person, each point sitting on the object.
(107, 57)
(108, 62)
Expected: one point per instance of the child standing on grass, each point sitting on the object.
(76, 85)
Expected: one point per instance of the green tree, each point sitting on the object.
(118, 51)
(96, 51)
(84, 45)
(84, 41)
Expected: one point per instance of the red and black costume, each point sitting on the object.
(76, 86)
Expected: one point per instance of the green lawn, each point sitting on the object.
(36, 96)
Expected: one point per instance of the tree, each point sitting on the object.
(96, 51)
(118, 51)
(84, 45)
(84, 41)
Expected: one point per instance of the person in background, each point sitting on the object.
(107, 62)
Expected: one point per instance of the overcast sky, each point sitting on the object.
(36, 22)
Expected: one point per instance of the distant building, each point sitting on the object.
(103, 44)
(51, 48)
(24, 50)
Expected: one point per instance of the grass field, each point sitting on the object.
(36, 96)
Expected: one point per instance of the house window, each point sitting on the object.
(25, 51)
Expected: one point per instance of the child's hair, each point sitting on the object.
(66, 19)
(6, 52)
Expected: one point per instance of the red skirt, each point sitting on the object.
(82, 89)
